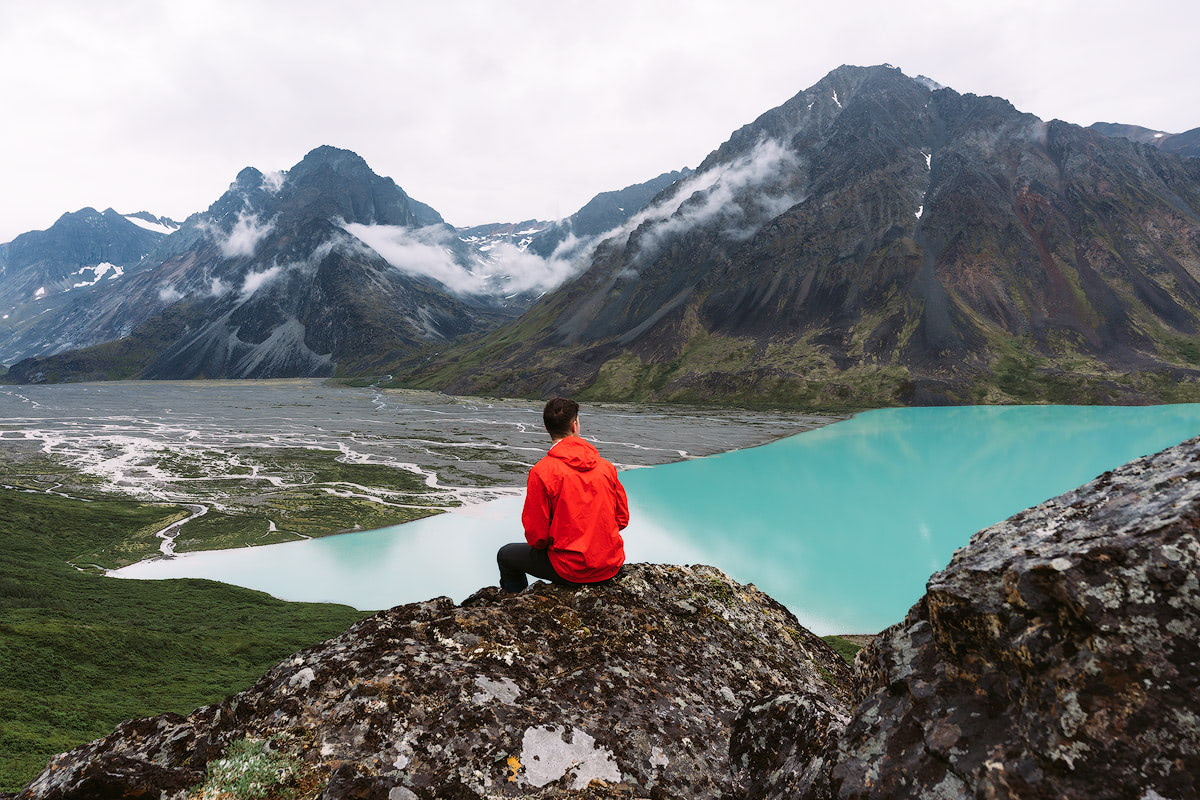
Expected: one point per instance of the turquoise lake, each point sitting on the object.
(844, 524)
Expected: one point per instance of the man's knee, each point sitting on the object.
(511, 553)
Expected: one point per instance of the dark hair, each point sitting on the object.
(558, 415)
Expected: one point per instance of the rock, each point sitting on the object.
(786, 745)
(627, 690)
(1055, 657)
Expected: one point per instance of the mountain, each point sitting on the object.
(43, 271)
(1181, 144)
(281, 276)
(878, 240)
(268, 282)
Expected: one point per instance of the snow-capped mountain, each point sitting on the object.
(41, 272)
(267, 282)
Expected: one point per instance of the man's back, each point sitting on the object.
(575, 507)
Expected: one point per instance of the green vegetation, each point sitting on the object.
(82, 652)
(250, 770)
(843, 647)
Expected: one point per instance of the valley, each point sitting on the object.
(276, 461)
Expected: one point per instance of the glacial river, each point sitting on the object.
(843, 524)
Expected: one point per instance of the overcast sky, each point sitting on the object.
(503, 111)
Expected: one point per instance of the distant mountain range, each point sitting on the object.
(325, 268)
(877, 239)
(1181, 144)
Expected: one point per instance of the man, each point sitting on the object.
(575, 509)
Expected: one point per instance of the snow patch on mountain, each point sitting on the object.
(98, 272)
(164, 226)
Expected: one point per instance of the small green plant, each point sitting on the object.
(719, 590)
(250, 770)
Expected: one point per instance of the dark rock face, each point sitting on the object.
(1057, 656)
(633, 688)
(79, 256)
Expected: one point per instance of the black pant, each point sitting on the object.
(518, 559)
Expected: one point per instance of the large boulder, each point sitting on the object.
(1057, 656)
(630, 689)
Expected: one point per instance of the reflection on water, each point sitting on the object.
(843, 524)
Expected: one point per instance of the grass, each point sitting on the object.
(82, 652)
(843, 647)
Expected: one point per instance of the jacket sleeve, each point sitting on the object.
(537, 512)
(622, 504)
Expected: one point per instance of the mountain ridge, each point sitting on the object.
(875, 241)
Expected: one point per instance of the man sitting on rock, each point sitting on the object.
(575, 508)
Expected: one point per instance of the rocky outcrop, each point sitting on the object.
(626, 690)
(1057, 656)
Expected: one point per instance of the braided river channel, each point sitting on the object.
(841, 520)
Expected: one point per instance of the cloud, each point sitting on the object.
(217, 287)
(255, 280)
(169, 294)
(243, 238)
(419, 251)
(435, 252)
(273, 181)
(717, 194)
(522, 271)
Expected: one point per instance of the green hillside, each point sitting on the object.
(83, 653)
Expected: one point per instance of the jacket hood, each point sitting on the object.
(577, 453)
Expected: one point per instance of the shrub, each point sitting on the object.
(251, 770)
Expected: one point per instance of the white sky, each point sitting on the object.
(502, 111)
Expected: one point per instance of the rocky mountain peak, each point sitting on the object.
(248, 178)
(337, 159)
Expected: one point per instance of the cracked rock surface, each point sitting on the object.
(631, 689)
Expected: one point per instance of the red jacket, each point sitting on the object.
(575, 507)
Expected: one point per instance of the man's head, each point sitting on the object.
(561, 417)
